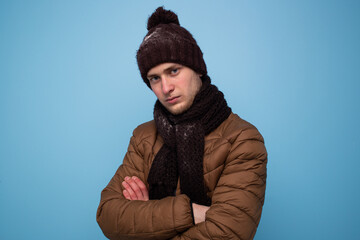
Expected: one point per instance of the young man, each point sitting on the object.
(197, 171)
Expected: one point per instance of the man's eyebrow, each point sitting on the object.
(151, 75)
(168, 69)
(171, 67)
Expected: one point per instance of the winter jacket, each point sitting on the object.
(235, 161)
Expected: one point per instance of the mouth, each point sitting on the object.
(172, 100)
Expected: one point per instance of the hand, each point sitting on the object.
(135, 189)
(199, 212)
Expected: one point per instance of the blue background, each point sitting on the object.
(71, 94)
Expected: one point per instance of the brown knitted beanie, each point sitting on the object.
(167, 41)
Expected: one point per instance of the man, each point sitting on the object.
(197, 171)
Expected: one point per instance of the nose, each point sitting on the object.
(166, 85)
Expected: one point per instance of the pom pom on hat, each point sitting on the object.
(162, 16)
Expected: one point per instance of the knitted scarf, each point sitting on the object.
(183, 150)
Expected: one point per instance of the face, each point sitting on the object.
(175, 86)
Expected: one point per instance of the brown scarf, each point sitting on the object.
(183, 150)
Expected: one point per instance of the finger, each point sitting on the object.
(129, 190)
(143, 189)
(136, 189)
(126, 194)
(126, 186)
(125, 191)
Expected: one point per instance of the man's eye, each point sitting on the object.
(174, 71)
(153, 79)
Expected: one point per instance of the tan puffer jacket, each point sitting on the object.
(234, 172)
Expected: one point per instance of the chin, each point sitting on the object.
(178, 109)
(176, 112)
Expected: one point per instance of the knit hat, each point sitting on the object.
(167, 41)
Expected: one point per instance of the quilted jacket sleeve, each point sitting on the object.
(239, 195)
(120, 218)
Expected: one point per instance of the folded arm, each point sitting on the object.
(120, 218)
(239, 195)
(135, 189)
